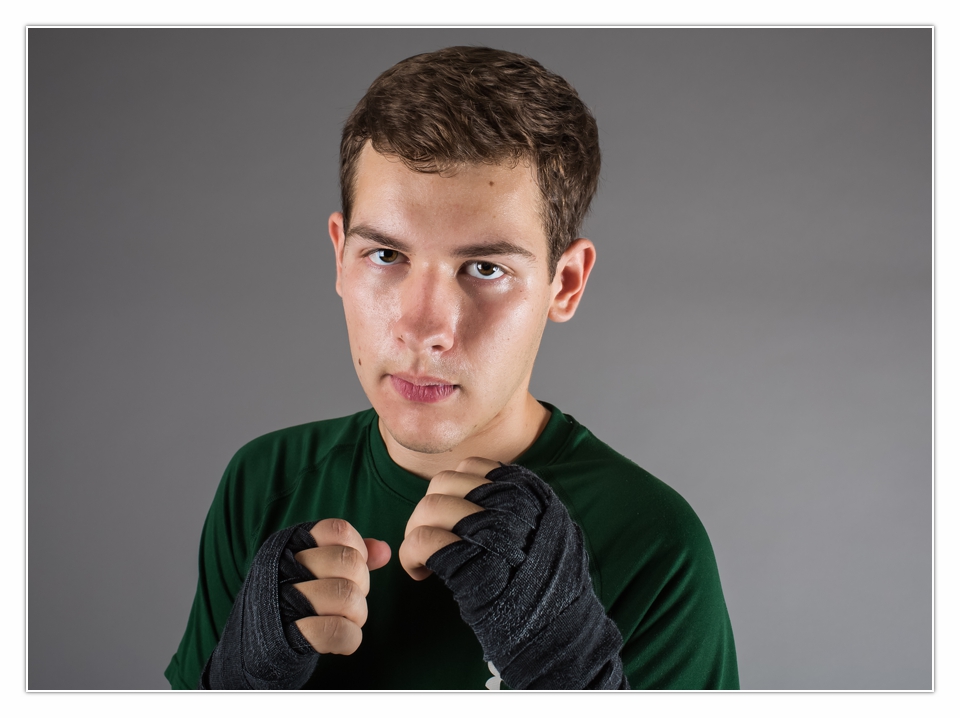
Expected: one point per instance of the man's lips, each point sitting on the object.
(424, 389)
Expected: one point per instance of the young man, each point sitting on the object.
(465, 177)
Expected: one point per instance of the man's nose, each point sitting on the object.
(429, 311)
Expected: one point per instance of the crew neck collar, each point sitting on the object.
(413, 488)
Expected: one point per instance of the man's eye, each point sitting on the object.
(385, 257)
(484, 270)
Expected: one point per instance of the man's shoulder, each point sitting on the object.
(279, 457)
(652, 565)
(618, 503)
(313, 436)
(604, 478)
(642, 536)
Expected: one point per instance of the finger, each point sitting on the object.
(378, 553)
(335, 597)
(441, 511)
(455, 483)
(337, 562)
(477, 465)
(337, 532)
(419, 545)
(331, 634)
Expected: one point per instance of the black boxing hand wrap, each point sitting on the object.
(261, 647)
(520, 576)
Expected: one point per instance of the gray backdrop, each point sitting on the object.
(757, 331)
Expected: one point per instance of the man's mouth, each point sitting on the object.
(423, 389)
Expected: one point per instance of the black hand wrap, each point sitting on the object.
(261, 647)
(520, 576)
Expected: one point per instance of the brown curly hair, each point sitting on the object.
(471, 105)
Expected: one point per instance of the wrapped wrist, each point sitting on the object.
(520, 575)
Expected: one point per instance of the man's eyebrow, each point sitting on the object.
(378, 237)
(488, 249)
(481, 249)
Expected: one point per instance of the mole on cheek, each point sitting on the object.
(360, 362)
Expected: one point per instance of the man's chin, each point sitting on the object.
(423, 444)
(425, 448)
(424, 439)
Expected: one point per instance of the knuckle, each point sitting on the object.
(350, 559)
(432, 502)
(332, 628)
(355, 606)
(474, 464)
(419, 537)
(340, 635)
(331, 631)
(408, 548)
(413, 538)
(445, 477)
(405, 546)
(346, 590)
(335, 529)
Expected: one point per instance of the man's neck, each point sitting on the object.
(505, 441)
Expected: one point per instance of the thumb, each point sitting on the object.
(378, 553)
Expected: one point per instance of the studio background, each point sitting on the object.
(756, 333)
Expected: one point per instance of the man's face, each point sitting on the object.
(446, 293)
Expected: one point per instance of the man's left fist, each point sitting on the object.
(430, 526)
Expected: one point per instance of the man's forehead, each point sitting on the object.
(485, 204)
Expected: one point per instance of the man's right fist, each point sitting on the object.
(272, 640)
(341, 564)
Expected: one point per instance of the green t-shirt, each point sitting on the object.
(650, 559)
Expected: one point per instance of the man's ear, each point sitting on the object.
(338, 237)
(570, 279)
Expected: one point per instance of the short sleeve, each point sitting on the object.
(221, 570)
(678, 633)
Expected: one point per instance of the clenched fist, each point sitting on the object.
(305, 594)
(341, 565)
(430, 526)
